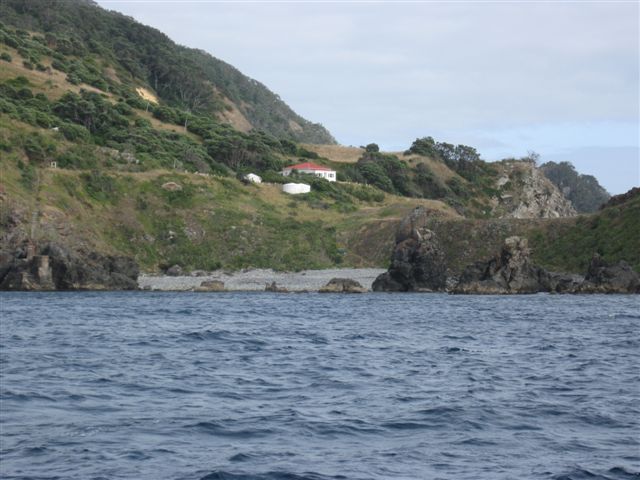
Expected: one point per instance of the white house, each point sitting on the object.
(312, 169)
(296, 188)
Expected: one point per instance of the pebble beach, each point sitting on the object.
(256, 280)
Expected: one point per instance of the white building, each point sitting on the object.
(312, 169)
(296, 188)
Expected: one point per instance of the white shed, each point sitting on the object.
(253, 178)
(296, 188)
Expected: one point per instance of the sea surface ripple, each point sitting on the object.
(308, 386)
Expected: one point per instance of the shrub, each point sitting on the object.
(100, 186)
(28, 175)
(78, 157)
(38, 147)
(74, 133)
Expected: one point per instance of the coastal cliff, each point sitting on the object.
(108, 159)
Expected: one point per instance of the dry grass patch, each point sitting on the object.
(336, 153)
(147, 95)
(53, 83)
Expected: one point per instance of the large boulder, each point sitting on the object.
(417, 262)
(175, 271)
(55, 267)
(511, 271)
(342, 285)
(610, 278)
(274, 288)
(564, 282)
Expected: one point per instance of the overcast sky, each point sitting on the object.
(558, 78)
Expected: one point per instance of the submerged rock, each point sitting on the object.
(417, 262)
(511, 271)
(343, 285)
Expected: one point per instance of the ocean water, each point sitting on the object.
(305, 386)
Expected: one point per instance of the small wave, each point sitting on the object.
(439, 411)
(214, 428)
(458, 337)
(224, 336)
(224, 475)
(240, 457)
(24, 397)
(616, 473)
(207, 335)
(476, 442)
(405, 425)
(622, 473)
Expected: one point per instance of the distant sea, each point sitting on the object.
(308, 386)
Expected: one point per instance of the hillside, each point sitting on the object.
(583, 191)
(103, 153)
(116, 54)
(162, 218)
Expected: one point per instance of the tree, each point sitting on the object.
(372, 148)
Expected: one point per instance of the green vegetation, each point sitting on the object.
(613, 232)
(115, 54)
(160, 180)
(584, 191)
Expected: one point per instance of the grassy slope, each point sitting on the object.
(217, 222)
(565, 244)
(212, 222)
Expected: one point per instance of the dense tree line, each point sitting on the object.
(584, 191)
(81, 37)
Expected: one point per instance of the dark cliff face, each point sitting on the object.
(510, 271)
(54, 267)
(417, 262)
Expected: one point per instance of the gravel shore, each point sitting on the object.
(255, 280)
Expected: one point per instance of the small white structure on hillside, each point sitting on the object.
(253, 178)
(311, 169)
(296, 188)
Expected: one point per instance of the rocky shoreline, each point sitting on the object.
(259, 279)
(418, 265)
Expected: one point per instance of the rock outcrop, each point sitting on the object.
(609, 278)
(211, 286)
(343, 285)
(175, 271)
(417, 262)
(531, 195)
(54, 267)
(511, 271)
(274, 288)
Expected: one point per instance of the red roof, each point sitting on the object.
(309, 166)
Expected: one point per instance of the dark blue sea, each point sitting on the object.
(305, 386)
